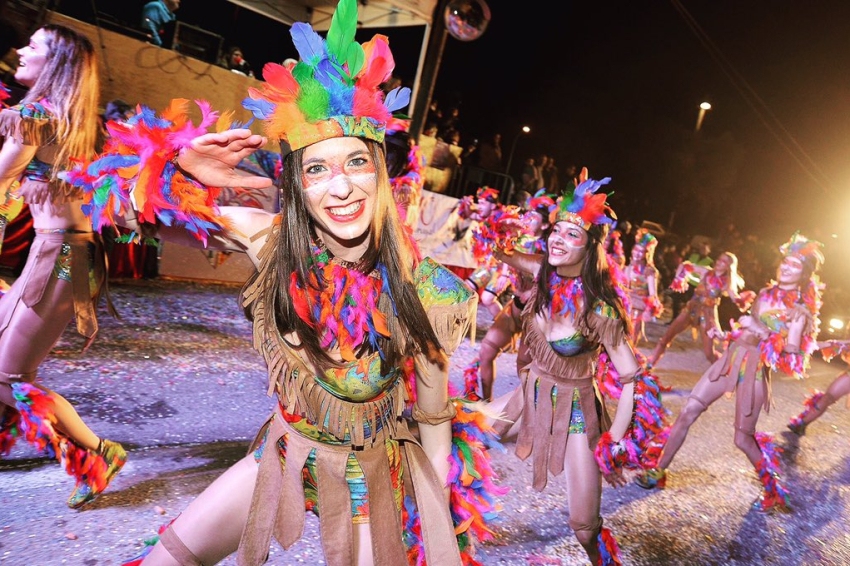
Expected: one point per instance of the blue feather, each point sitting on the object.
(397, 99)
(260, 108)
(310, 46)
(109, 163)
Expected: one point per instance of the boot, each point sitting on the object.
(609, 550)
(774, 496)
(90, 485)
(653, 478)
(798, 424)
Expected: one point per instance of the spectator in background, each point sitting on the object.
(489, 154)
(528, 184)
(235, 61)
(156, 16)
(549, 171)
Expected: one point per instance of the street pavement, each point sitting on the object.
(176, 381)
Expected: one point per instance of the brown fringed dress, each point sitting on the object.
(327, 442)
(545, 425)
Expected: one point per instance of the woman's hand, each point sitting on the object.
(615, 479)
(212, 159)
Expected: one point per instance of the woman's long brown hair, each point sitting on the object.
(69, 81)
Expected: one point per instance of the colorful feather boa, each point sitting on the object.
(768, 468)
(641, 446)
(609, 550)
(135, 171)
(471, 479)
(342, 304)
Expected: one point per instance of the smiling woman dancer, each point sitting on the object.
(343, 315)
(779, 334)
(572, 318)
(65, 269)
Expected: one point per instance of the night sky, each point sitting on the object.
(616, 85)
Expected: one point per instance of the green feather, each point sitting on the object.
(356, 58)
(313, 101)
(342, 30)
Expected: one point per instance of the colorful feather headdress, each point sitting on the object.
(583, 206)
(333, 91)
(487, 193)
(809, 251)
(540, 202)
(646, 240)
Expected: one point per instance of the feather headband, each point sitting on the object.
(809, 251)
(487, 193)
(541, 202)
(583, 207)
(333, 91)
(646, 240)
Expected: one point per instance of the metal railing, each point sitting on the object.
(467, 179)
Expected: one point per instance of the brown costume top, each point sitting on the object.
(33, 124)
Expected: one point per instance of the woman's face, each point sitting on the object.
(567, 246)
(790, 271)
(483, 208)
(32, 59)
(340, 189)
(721, 266)
(638, 253)
(533, 222)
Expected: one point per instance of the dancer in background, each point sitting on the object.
(818, 402)
(355, 331)
(700, 313)
(507, 325)
(490, 221)
(65, 271)
(778, 335)
(574, 316)
(642, 280)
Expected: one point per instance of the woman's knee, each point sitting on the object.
(692, 410)
(586, 531)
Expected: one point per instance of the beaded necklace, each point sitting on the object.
(341, 303)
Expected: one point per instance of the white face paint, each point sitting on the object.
(340, 188)
(533, 222)
(567, 248)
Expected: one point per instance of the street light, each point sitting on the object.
(703, 108)
(524, 130)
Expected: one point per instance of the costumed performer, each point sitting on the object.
(573, 317)
(700, 312)
(507, 324)
(642, 280)
(353, 330)
(65, 274)
(490, 222)
(778, 335)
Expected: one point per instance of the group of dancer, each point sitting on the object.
(357, 329)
